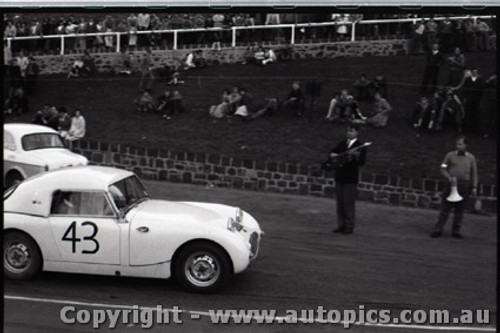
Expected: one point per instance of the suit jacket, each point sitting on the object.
(349, 172)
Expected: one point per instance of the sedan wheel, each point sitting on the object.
(202, 267)
(21, 257)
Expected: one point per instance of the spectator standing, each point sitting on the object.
(342, 29)
(7, 54)
(470, 35)
(81, 41)
(109, 26)
(490, 105)
(218, 22)
(147, 76)
(18, 103)
(456, 66)
(273, 19)
(482, 34)
(434, 61)
(459, 168)
(91, 28)
(31, 76)
(445, 28)
(23, 62)
(362, 85)
(143, 21)
(458, 35)
(472, 91)
(417, 39)
(35, 29)
(431, 30)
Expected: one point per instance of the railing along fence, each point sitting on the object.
(290, 31)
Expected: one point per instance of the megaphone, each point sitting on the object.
(454, 195)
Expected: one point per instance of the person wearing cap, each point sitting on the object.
(347, 178)
(459, 168)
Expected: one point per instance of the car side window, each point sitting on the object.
(80, 203)
(8, 141)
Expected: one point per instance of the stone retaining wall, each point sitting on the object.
(223, 171)
(105, 62)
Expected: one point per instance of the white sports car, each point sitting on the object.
(101, 220)
(30, 149)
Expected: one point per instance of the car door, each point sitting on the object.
(85, 227)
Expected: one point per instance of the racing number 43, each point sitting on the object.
(70, 236)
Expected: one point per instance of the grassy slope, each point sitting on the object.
(107, 105)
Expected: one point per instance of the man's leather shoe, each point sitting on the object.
(457, 235)
(339, 230)
(347, 232)
(436, 234)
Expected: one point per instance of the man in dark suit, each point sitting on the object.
(434, 61)
(347, 177)
(473, 91)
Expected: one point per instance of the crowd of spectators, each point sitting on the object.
(468, 34)
(70, 128)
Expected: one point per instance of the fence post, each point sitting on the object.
(62, 45)
(292, 35)
(118, 37)
(233, 42)
(175, 40)
(353, 32)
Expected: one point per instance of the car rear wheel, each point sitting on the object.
(21, 257)
(13, 178)
(202, 267)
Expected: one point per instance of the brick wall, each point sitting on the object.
(223, 171)
(105, 62)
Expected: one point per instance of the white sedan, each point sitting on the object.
(101, 220)
(30, 149)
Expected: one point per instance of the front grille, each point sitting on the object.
(254, 245)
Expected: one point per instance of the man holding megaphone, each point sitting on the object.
(459, 168)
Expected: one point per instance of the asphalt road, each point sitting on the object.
(388, 263)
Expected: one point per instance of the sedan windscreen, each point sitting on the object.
(42, 141)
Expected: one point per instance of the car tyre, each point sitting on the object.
(202, 268)
(13, 178)
(22, 259)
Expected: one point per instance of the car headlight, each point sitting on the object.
(233, 225)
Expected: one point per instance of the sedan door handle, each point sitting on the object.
(143, 229)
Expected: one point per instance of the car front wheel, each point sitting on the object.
(13, 178)
(202, 267)
(21, 257)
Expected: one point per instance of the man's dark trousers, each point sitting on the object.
(346, 202)
(457, 207)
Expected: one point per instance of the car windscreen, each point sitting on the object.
(42, 141)
(127, 192)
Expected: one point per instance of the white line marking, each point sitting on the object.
(277, 319)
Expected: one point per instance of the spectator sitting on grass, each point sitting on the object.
(18, 103)
(379, 85)
(198, 60)
(145, 103)
(76, 69)
(234, 99)
(88, 63)
(63, 122)
(269, 56)
(221, 110)
(382, 109)
(344, 108)
(295, 99)
(176, 103)
(423, 114)
(41, 116)
(259, 55)
(362, 85)
(243, 104)
(78, 127)
(249, 56)
(164, 104)
(271, 107)
(125, 63)
(189, 62)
